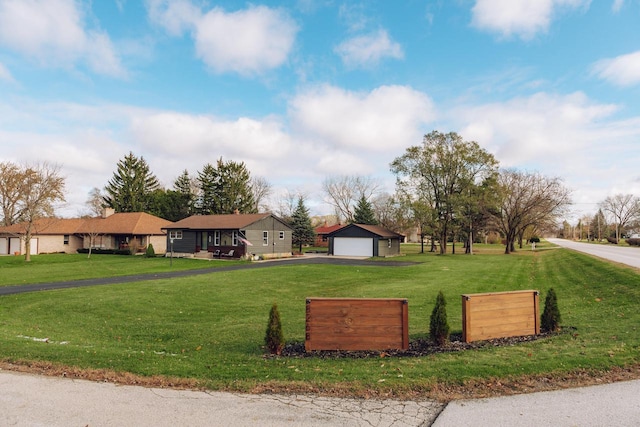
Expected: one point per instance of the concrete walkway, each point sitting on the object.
(29, 400)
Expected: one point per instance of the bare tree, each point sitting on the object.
(261, 189)
(95, 202)
(528, 200)
(624, 208)
(343, 193)
(42, 187)
(287, 203)
(11, 183)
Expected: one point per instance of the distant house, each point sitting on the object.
(364, 240)
(232, 236)
(322, 233)
(131, 230)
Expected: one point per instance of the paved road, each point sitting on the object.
(623, 254)
(30, 400)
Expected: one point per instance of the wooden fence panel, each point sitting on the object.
(357, 324)
(499, 315)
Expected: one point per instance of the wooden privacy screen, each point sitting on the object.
(357, 324)
(499, 315)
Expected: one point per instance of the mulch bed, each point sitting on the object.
(417, 347)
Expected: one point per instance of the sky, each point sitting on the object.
(304, 90)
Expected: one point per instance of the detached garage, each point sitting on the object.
(364, 241)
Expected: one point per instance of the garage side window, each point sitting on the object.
(389, 243)
(282, 235)
(265, 238)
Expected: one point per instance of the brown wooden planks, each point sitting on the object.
(499, 315)
(356, 324)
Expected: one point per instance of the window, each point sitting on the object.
(265, 238)
(389, 243)
(216, 238)
(234, 238)
(66, 239)
(282, 235)
(175, 234)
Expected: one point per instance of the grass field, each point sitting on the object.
(210, 328)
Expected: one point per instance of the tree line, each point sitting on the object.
(449, 189)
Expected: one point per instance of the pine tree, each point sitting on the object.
(550, 319)
(363, 213)
(184, 186)
(225, 188)
(274, 338)
(438, 325)
(131, 186)
(303, 232)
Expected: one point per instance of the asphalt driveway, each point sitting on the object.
(312, 259)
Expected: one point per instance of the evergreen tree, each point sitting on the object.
(303, 232)
(225, 188)
(363, 213)
(274, 338)
(438, 325)
(131, 186)
(550, 319)
(207, 203)
(184, 186)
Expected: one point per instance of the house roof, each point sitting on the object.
(132, 223)
(374, 229)
(218, 222)
(326, 229)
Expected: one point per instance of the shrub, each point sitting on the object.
(550, 320)
(274, 339)
(150, 252)
(633, 242)
(612, 240)
(438, 325)
(534, 239)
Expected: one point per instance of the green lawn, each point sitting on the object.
(211, 327)
(62, 267)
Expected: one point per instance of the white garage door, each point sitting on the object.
(353, 246)
(4, 247)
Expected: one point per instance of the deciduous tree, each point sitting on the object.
(442, 170)
(343, 193)
(528, 199)
(623, 209)
(42, 187)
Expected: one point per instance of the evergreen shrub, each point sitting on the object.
(438, 325)
(550, 320)
(274, 338)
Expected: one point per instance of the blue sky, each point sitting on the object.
(305, 90)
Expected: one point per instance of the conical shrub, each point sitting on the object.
(274, 338)
(438, 325)
(550, 319)
(150, 252)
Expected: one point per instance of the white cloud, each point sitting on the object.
(617, 5)
(5, 74)
(522, 18)
(363, 51)
(622, 70)
(176, 16)
(385, 119)
(53, 32)
(249, 41)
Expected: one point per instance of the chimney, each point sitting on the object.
(107, 212)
